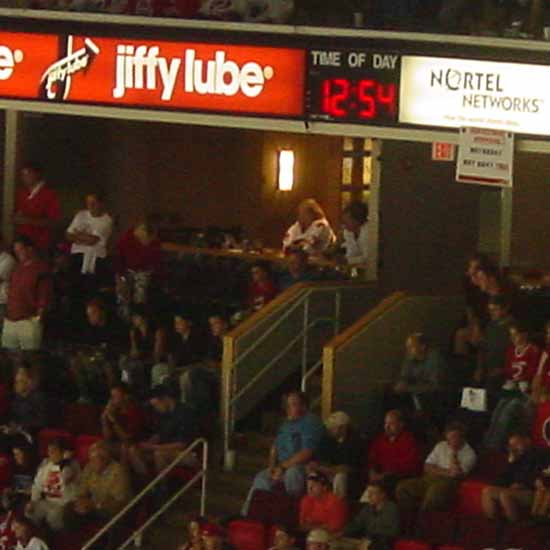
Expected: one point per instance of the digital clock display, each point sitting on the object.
(353, 86)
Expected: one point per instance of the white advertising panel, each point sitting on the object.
(458, 92)
(485, 157)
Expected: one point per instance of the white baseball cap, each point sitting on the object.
(318, 536)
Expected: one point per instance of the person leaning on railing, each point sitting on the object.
(296, 444)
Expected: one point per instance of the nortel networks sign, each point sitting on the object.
(152, 73)
(484, 94)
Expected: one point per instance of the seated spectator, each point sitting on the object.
(262, 287)
(176, 428)
(378, 521)
(147, 347)
(489, 280)
(24, 535)
(283, 539)
(541, 499)
(354, 221)
(194, 536)
(450, 461)
(55, 485)
(511, 412)
(101, 328)
(541, 382)
(339, 453)
(214, 537)
(24, 470)
(219, 326)
(421, 380)
(186, 344)
(493, 347)
(514, 489)
(122, 421)
(317, 539)
(7, 536)
(103, 491)
(296, 444)
(320, 508)
(298, 270)
(28, 409)
(395, 454)
(312, 232)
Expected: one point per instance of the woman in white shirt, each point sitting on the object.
(311, 232)
(89, 232)
(354, 220)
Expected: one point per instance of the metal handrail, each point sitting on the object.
(201, 474)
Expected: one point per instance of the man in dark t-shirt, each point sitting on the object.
(177, 427)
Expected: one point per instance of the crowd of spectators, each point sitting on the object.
(513, 18)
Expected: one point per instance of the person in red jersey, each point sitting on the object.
(262, 289)
(541, 382)
(37, 207)
(512, 411)
(29, 296)
(395, 454)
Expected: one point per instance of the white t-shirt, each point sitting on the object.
(316, 238)
(356, 247)
(100, 226)
(7, 263)
(33, 544)
(442, 456)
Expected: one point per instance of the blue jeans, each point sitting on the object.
(510, 415)
(294, 479)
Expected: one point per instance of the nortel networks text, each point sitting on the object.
(154, 73)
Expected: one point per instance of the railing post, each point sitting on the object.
(305, 344)
(204, 466)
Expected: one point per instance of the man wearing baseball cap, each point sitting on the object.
(321, 508)
(317, 539)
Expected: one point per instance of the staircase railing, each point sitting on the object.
(201, 476)
(286, 332)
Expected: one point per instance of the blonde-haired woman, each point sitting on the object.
(311, 232)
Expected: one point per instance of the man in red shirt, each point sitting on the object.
(321, 508)
(394, 454)
(29, 295)
(37, 208)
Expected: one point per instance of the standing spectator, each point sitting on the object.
(89, 234)
(24, 534)
(354, 220)
(378, 521)
(450, 461)
(420, 383)
(177, 427)
(296, 444)
(7, 265)
(339, 453)
(103, 491)
(312, 232)
(511, 413)
(541, 382)
(36, 208)
(320, 508)
(394, 454)
(55, 485)
(262, 287)
(514, 489)
(29, 296)
(138, 265)
(122, 421)
(298, 269)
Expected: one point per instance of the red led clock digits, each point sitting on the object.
(332, 101)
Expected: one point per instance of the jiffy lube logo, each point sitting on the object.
(8, 60)
(143, 68)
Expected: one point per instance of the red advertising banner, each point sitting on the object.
(154, 74)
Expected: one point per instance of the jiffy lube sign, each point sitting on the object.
(152, 73)
(461, 92)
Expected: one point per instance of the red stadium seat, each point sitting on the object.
(48, 434)
(541, 426)
(82, 418)
(491, 464)
(437, 527)
(82, 446)
(469, 497)
(246, 534)
(476, 533)
(269, 507)
(450, 547)
(408, 544)
(525, 536)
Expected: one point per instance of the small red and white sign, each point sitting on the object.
(485, 157)
(443, 151)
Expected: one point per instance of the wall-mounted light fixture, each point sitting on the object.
(285, 170)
